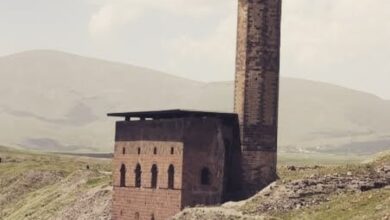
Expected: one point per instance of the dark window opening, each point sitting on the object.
(154, 176)
(152, 218)
(137, 216)
(172, 150)
(139, 151)
(205, 176)
(123, 150)
(123, 176)
(121, 213)
(171, 177)
(155, 150)
(138, 173)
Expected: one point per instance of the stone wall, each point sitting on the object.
(130, 202)
(204, 148)
(190, 145)
(145, 201)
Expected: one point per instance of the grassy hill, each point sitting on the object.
(55, 101)
(47, 186)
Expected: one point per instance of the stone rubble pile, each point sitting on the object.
(316, 189)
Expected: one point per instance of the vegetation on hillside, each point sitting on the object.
(47, 186)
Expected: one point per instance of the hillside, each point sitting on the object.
(55, 101)
(46, 186)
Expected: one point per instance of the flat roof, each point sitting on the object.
(173, 113)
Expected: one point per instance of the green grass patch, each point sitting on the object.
(371, 205)
(38, 185)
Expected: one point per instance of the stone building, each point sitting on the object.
(167, 160)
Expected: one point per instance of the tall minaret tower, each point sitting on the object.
(257, 89)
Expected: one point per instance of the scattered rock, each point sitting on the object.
(291, 168)
(378, 207)
(384, 169)
(315, 190)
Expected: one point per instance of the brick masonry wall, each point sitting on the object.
(260, 170)
(257, 88)
(162, 202)
(204, 147)
(146, 202)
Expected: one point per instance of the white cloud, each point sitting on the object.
(113, 13)
(214, 51)
(339, 41)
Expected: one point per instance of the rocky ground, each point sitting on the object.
(313, 192)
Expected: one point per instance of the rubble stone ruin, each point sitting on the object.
(167, 160)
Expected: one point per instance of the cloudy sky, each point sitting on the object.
(344, 42)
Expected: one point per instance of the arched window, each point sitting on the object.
(137, 216)
(205, 176)
(155, 150)
(154, 176)
(138, 173)
(172, 150)
(123, 151)
(139, 151)
(123, 176)
(171, 177)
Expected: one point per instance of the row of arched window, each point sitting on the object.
(205, 176)
(154, 175)
(172, 151)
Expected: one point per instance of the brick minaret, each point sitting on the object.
(257, 89)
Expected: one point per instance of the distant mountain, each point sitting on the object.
(56, 101)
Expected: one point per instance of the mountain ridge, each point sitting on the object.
(58, 101)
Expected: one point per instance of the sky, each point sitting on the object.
(344, 42)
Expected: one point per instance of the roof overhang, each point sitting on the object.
(174, 113)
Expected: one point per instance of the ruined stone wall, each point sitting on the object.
(189, 144)
(130, 201)
(203, 148)
(257, 88)
(147, 143)
(145, 201)
(233, 170)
